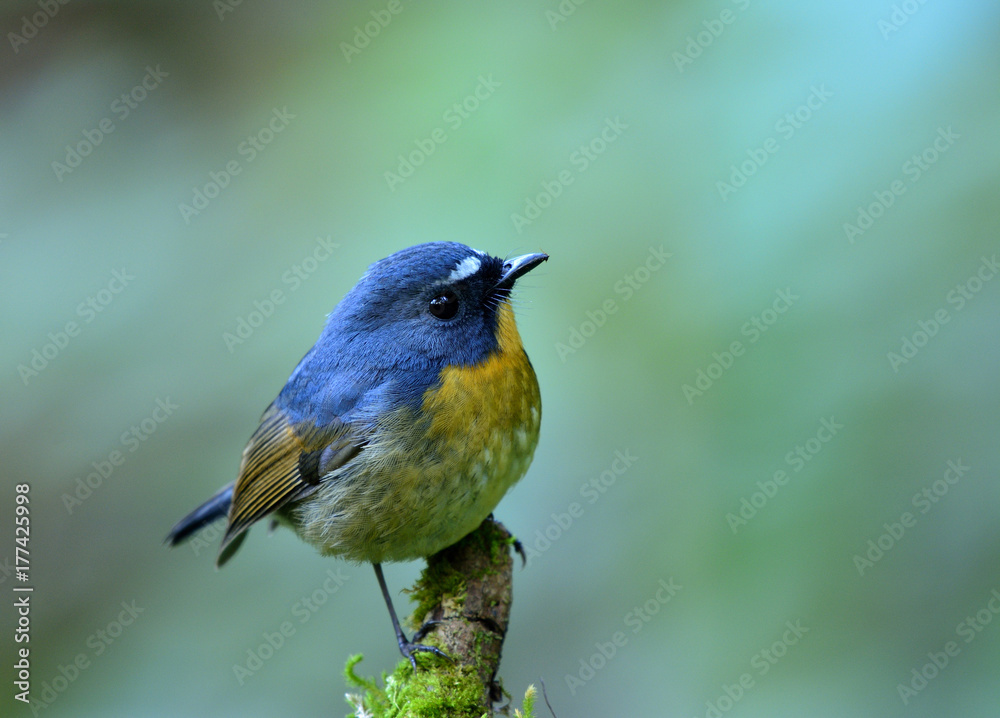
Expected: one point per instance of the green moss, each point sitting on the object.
(528, 706)
(374, 700)
(353, 679)
(440, 578)
(495, 542)
(437, 580)
(446, 691)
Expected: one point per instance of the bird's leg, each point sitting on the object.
(406, 647)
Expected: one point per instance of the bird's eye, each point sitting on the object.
(444, 306)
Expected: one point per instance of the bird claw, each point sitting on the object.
(424, 630)
(409, 648)
(519, 547)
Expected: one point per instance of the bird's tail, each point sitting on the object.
(215, 508)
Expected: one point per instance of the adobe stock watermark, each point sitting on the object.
(88, 310)
(31, 24)
(364, 34)
(302, 610)
(121, 108)
(130, 440)
(913, 169)
(958, 297)
(6, 569)
(249, 149)
(635, 620)
(967, 630)
(786, 127)
(796, 460)
(753, 329)
(563, 11)
(225, 7)
(293, 278)
(454, 117)
(98, 642)
(625, 288)
(713, 29)
(592, 490)
(761, 664)
(581, 159)
(206, 537)
(900, 15)
(923, 501)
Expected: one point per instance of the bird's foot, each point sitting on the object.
(518, 546)
(409, 649)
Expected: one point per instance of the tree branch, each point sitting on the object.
(467, 590)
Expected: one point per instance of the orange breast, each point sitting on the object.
(497, 396)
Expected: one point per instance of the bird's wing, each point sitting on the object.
(283, 461)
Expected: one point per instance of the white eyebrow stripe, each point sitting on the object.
(466, 268)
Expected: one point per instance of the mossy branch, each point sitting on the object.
(467, 589)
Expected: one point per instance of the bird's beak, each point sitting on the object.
(518, 267)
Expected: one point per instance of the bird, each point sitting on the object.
(403, 426)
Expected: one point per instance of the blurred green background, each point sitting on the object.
(738, 137)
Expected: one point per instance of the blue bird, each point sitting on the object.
(402, 428)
